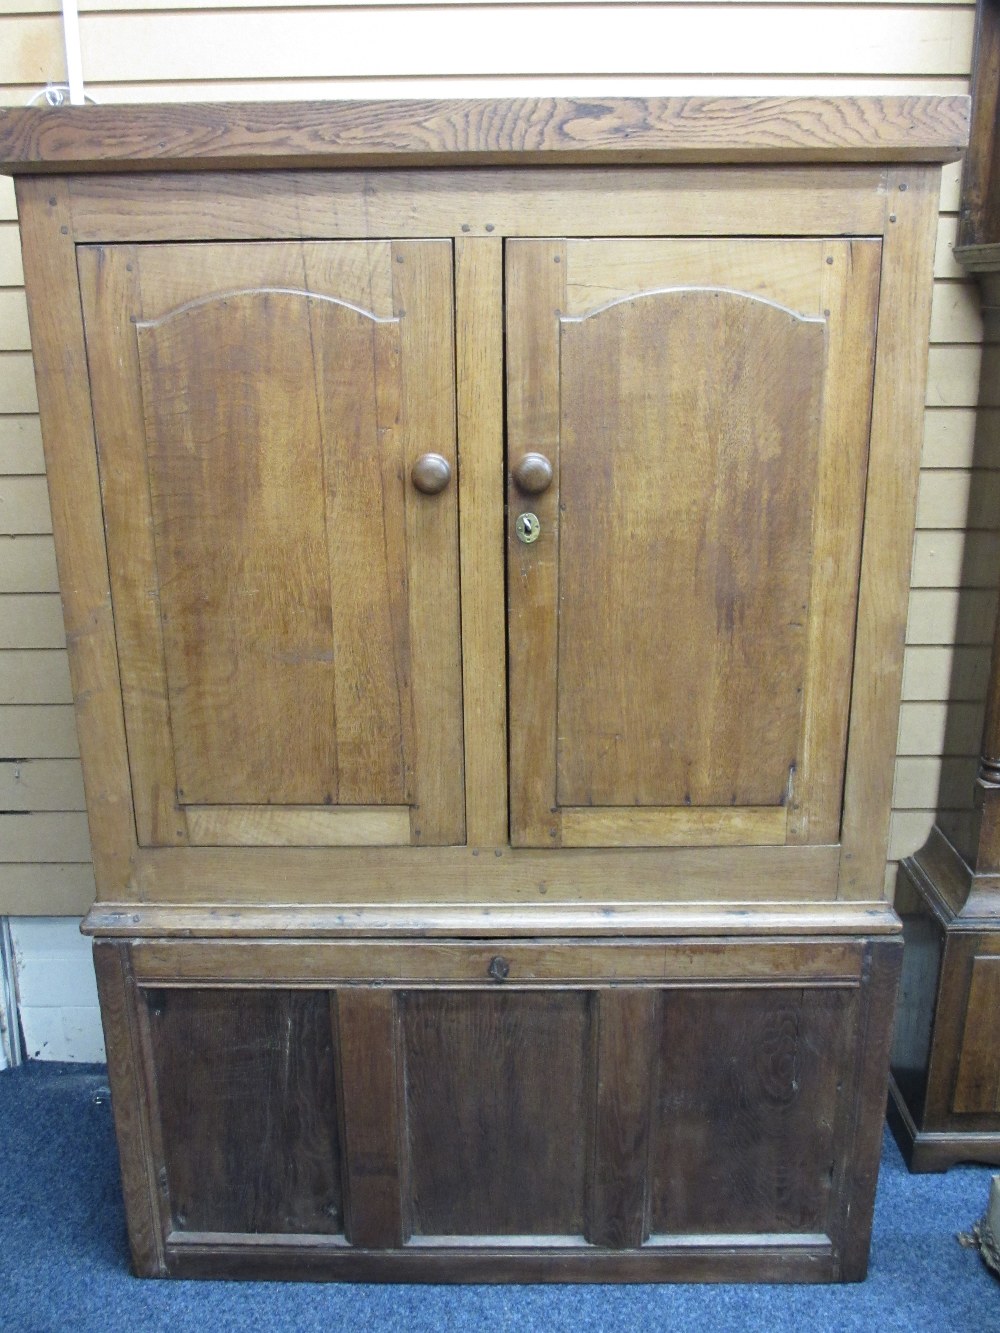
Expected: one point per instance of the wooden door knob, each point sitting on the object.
(533, 474)
(431, 473)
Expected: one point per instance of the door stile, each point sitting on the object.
(480, 390)
(536, 297)
(423, 298)
(850, 288)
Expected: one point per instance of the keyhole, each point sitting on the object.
(527, 528)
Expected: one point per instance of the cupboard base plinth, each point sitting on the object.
(730, 1260)
(502, 1110)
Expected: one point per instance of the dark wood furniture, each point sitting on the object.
(384, 995)
(945, 1090)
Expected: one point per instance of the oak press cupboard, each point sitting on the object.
(483, 530)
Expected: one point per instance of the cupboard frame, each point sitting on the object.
(627, 925)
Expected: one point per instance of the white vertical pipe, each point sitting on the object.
(10, 1032)
(74, 55)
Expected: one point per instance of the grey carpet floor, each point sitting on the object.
(64, 1264)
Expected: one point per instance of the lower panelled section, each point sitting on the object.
(688, 1125)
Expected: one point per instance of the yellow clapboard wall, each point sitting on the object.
(186, 50)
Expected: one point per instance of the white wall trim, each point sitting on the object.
(11, 1052)
(56, 990)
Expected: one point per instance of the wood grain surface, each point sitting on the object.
(286, 826)
(257, 876)
(535, 293)
(743, 1128)
(261, 588)
(495, 1101)
(419, 133)
(625, 1023)
(130, 1103)
(701, 724)
(698, 698)
(781, 961)
(245, 1097)
(271, 630)
(371, 1105)
(476, 203)
(977, 1080)
(479, 383)
(60, 358)
(897, 421)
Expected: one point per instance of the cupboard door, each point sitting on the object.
(285, 597)
(682, 619)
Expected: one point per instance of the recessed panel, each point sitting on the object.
(743, 1130)
(245, 1093)
(282, 602)
(977, 1081)
(688, 450)
(497, 1111)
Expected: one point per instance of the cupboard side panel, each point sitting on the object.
(890, 506)
(112, 301)
(60, 357)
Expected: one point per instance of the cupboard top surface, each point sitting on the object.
(483, 132)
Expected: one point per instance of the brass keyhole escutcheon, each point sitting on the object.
(528, 528)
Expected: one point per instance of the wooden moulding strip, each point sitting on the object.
(367, 134)
(792, 1258)
(425, 920)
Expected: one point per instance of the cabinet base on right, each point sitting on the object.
(944, 1092)
(926, 1150)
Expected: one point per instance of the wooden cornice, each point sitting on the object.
(297, 135)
